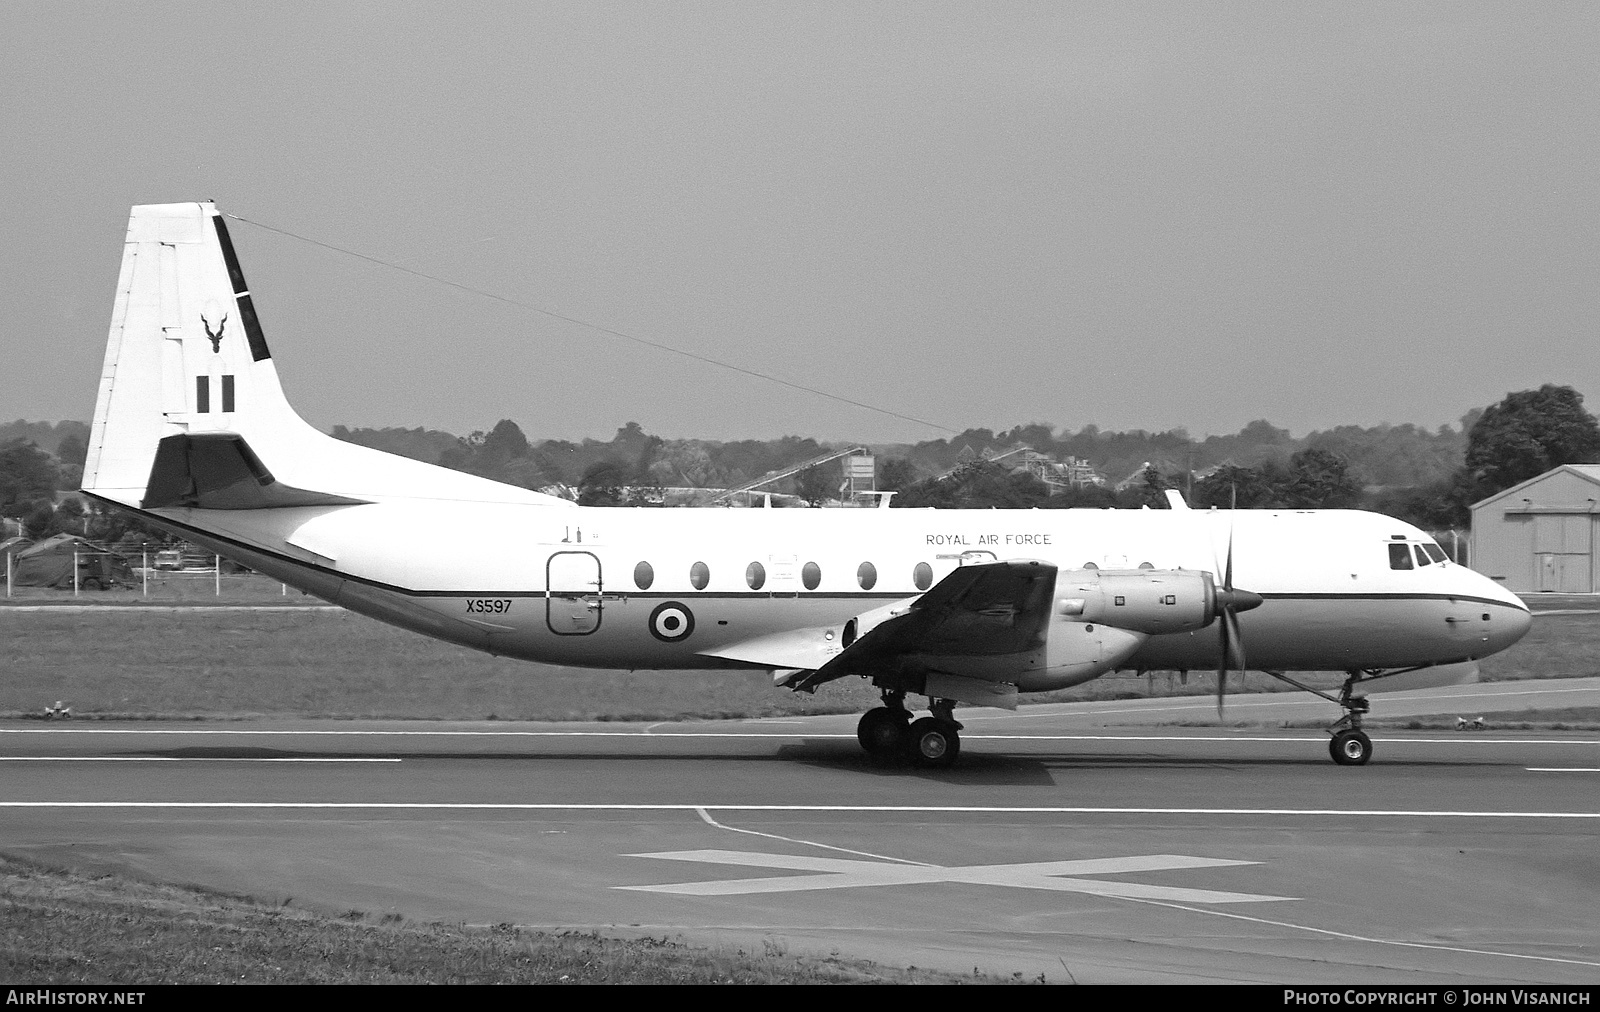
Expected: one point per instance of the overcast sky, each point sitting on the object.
(977, 214)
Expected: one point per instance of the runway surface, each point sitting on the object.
(1060, 845)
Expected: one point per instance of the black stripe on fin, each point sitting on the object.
(252, 329)
(234, 273)
(241, 292)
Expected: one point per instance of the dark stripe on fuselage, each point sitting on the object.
(1389, 597)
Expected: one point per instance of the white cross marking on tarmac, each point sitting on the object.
(840, 873)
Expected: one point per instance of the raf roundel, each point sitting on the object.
(671, 622)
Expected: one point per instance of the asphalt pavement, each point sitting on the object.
(1097, 842)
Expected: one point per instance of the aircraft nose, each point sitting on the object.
(1510, 625)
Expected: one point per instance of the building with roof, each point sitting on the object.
(1539, 536)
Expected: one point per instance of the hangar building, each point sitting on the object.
(1539, 536)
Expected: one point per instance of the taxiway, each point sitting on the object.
(1058, 846)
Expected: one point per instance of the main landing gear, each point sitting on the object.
(888, 732)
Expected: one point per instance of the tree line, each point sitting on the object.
(1429, 478)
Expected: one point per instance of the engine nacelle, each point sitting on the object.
(1102, 617)
(1149, 601)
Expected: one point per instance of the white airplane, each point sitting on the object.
(192, 431)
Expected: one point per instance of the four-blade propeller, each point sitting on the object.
(1230, 601)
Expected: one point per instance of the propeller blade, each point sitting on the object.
(1236, 640)
(1222, 662)
(1229, 603)
(1227, 576)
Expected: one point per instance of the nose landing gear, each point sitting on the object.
(1350, 745)
(1350, 748)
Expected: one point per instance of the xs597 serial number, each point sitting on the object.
(489, 605)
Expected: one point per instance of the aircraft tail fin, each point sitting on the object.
(187, 357)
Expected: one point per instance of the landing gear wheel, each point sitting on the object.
(1350, 748)
(934, 743)
(882, 731)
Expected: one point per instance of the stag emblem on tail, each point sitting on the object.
(216, 339)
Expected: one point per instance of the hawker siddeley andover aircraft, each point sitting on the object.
(192, 432)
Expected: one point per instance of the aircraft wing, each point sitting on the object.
(976, 614)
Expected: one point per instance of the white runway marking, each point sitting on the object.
(705, 817)
(838, 873)
(80, 608)
(507, 806)
(175, 759)
(1292, 699)
(1361, 938)
(793, 734)
(1563, 769)
(432, 734)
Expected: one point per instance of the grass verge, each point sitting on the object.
(60, 927)
(1569, 718)
(338, 664)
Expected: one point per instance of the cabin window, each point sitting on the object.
(699, 575)
(755, 575)
(1400, 556)
(922, 576)
(867, 575)
(643, 576)
(811, 575)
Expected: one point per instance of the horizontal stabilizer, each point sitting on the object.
(218, 471)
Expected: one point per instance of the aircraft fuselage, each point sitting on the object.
(667, 588)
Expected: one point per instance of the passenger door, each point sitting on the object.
(572, 593)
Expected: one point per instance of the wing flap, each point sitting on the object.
(805, 649)
(979, 620)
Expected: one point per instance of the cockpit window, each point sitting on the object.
(1422, 557)
(1435, 552)
(1399, 556)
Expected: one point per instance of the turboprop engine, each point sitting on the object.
(988, 631)
(1102, 617)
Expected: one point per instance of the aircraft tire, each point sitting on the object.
(882, 731)
(1350, 748)
(934, 743)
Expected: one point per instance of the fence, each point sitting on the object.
(95, 576)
